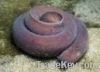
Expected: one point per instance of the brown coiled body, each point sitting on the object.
(45, 31)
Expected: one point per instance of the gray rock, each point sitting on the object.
(88, 11)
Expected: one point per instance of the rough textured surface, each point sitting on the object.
(21, 63)
(9, 9)
(88, 11)
(12, 60)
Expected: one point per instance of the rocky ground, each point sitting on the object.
(13, 60)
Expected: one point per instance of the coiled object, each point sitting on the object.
(46, 31)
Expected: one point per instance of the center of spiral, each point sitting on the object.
(51, 17)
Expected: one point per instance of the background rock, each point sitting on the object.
(22, 63)
(89, 12)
